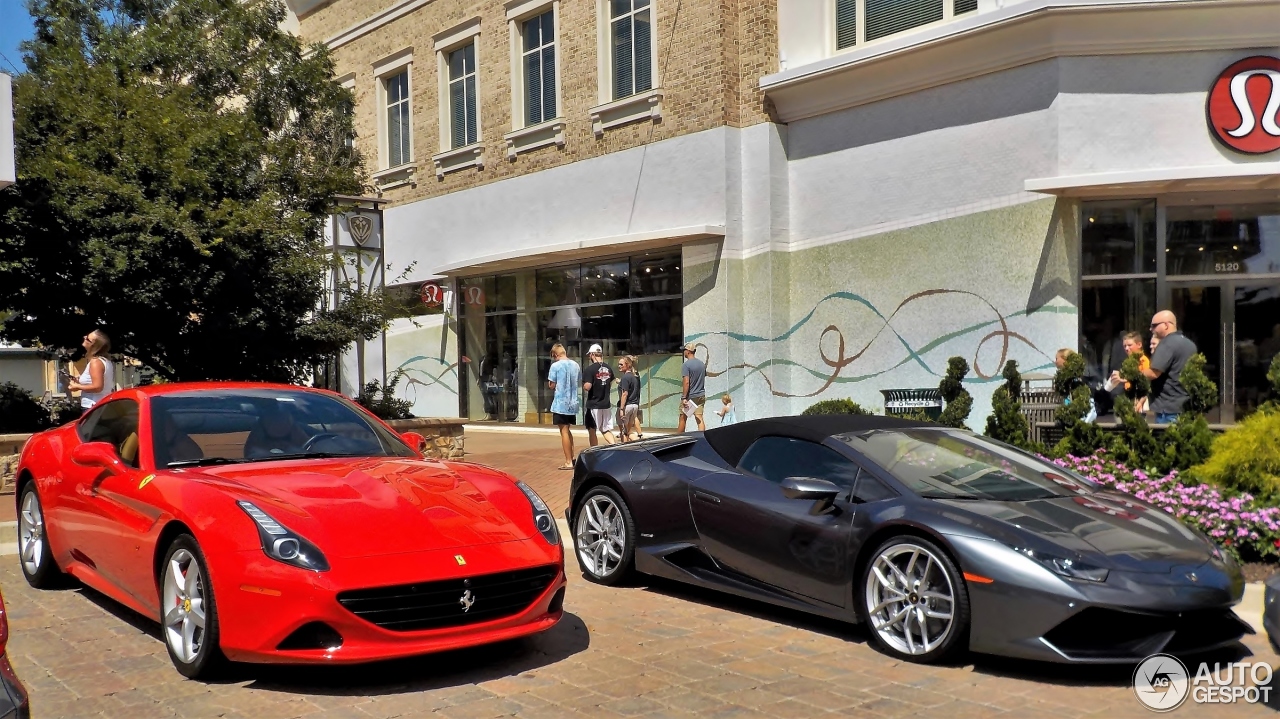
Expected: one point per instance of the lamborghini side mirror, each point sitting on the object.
(809, 488)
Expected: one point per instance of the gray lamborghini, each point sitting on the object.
(938, 539)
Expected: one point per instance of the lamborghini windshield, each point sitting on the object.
(951, 464)
(252, 425)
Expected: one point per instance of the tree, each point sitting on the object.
(1189, 441)
(1080, 438)
(835, 406)
(959, 401)
(177, 160)
(1007, 423)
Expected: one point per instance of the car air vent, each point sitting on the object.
(1109, 634)
(451, 602)
(673, 452)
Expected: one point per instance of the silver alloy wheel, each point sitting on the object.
(601, 536)
(910, 599)
(31, 534)
(183, 603)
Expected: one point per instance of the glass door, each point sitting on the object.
(1205, 320)
(1255, 340)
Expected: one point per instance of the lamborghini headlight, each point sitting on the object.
(542, 518)
(1069, 568)
(283, 545)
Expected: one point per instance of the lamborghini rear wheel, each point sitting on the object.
(604, 535)
(915, 601)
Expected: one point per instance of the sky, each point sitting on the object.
(15, 26)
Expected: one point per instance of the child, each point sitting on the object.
(726, 412)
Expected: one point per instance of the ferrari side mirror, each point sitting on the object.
(809, 488)
(97, 454)
(415, 440)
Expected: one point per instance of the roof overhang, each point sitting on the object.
(579, 250)
(1017, 35)
(1246, 176)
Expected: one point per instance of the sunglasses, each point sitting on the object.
(1157, 324)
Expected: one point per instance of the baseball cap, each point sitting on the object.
(595, 350)
(691, 347)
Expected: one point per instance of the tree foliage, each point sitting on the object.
(381, 400)
(959, 401)
(177, 160)
(1007, 423)
(1080, 438)
(835, 406)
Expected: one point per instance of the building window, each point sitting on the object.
(862, 21)
(631, 40)
(463, 126)
(399, 128)
(538, 61)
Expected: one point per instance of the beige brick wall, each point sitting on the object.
(713, 53)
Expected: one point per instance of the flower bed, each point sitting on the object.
(1247, 529)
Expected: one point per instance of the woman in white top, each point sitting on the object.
(99, 377)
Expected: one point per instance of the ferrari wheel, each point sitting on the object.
(189, 616)
(916, 604)
(604, 536)
(38, 564)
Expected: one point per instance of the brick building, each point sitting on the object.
(830, 196)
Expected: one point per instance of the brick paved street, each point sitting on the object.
(650, 651)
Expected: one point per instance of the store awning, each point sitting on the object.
(580, 250)
(1244, 176)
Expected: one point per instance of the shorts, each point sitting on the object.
(698, 403)
(629, 414)
(563, 420)
(600, 419)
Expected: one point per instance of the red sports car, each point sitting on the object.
(268, 523)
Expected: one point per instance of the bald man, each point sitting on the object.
(1170, 356)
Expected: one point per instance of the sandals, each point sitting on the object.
(565, 466)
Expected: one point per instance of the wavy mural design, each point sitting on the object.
(836, 368)
(421, 378)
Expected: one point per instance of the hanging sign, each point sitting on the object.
(432, 294)
(1244, 106)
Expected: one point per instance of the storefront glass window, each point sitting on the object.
(1118, 237)
(1224, 239)
(415, 299)
(1109, 309)
(510, 322)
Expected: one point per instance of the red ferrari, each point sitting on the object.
(267, 523)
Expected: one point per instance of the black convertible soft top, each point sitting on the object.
(732, 441)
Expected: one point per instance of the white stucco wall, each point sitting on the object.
(674, 183)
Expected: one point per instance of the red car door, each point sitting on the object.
(110, 520)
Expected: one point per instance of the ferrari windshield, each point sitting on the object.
(250, 425)
(951, 464)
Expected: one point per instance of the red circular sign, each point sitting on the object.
(1244, 106)
(432, 294)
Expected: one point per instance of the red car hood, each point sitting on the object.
(372, 507)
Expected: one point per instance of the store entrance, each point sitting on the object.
(1236, 325)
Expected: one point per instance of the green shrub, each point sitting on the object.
(959, 401)
(1246, 458)
(381, 399)
(1202, 392)
(1080, 438)
(835, 406)
(20, 412)
(1006, 423)
(1273, 376)
(1186, 443)
(1136, 446)
(1136, 384)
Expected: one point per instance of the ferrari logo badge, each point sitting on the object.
(461, 560)
(146, 480)
(466, 601)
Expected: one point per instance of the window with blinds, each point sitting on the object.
(631, 36)
(396, 89)
(539, 60)
(463, 128)
(882, 18)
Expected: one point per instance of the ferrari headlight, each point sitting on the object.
(542, 518)
(1068, 568)
(283, 545)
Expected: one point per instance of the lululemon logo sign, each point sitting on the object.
(1244, 106)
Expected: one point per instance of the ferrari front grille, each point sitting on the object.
(451, 602)
(1109, 634)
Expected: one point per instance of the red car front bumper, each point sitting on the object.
(261, 602)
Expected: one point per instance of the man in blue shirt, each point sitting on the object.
(564, 379)
(693, 395)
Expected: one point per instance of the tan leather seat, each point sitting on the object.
(129, 449)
